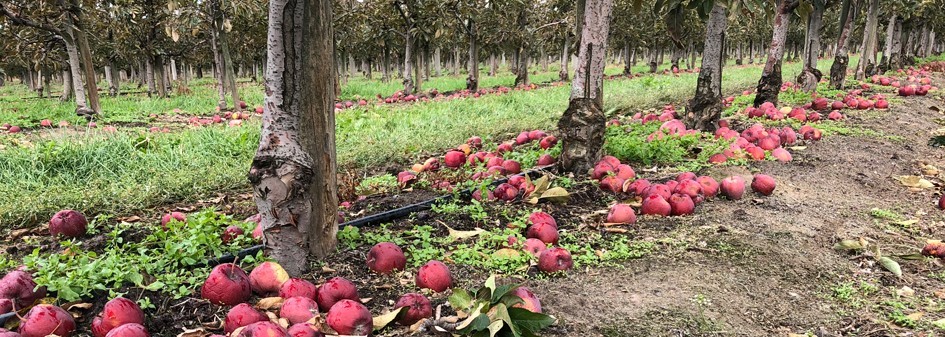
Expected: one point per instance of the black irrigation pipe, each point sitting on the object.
(383, 217)
(367, 221)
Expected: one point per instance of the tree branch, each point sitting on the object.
(21, 21)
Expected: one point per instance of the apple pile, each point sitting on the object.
(301, 303)
(756, 142)
(120, 317)
(542, 232)
(470, 157)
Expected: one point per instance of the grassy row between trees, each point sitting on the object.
(132, 170)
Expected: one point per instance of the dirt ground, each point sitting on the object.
(767, 267)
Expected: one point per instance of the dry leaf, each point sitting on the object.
(615, 230)
(366, 300)
(383, 320)
(270, 303)
(914, 182)
(915, 316)
(200, 332)
(506, 253)
(556, 195)
(327, 270)
(905, 292)
(133, 218)
(930, 170)
(461, 235)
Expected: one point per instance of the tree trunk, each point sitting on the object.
(841, 58)
(417, 71)
(408, 62)
(867, 64)
(218, 71)
(521, 73)
(891, 58)
(85, 54)
(472, 80)
(437, 63)
(565, 57)
(810, 76)
(427, 57)
(159, 76)
(583, 124)
(294, 171)
(751, 51)
(455, 61)
(653, 57)
(692, 56)
(493, 65)
(385, 65)
(66, 86)
(626, 59)
(76, 74)
(769, 86)
(352, 67)
(149, 77)
(227, 67)
(705, 108)
(544, 59)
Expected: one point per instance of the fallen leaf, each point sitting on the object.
(930, 170)
(905, 291)
(327, 270)
(556, 195)
(906, 223)
(461, 235)
(890, 265)
(914, 182)
(366, 300)
(270, 303)
(797, 148)
(133, 218)
(200, 332)
(615, 230)
(915, 316)
(506, 253)
(383, 320)
(848, 245)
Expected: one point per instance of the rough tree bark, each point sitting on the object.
(493, 65)
(841, 58)
(294, 171)
(867, 63)
(408, 62)
(472, 80)
(521, 72)
(565, 57)
(705, 108)
(891, 58)
(437, 62)
(810, 75)
(751, 51)
(149, 77)
(82, 107)
(769, 86)
(76, 28)
(455, 61)
(228, 65)
(66, 86)
(583, 123)
(159, 77)
(627, 67)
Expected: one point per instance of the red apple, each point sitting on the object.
(334, 290)
(349, 317)
(298, 287)
(733, 187)
(535, 246)
(117, 312)
(175, 216)
(530, 301)
(230, 234)
(654, 204)
(129, 330)
(298, 309)
(545, 160)
(546, 232)
(18, 287)
(68, 223)
(681, 204)
(542, 217)
(267, 278)
(263, 329)
(763, 184)
(418, 307)
(554, 260)
(45, 319)
(385, 258)
(454, 159)
(226, 285)
(709, 186)
(434, 275)
(304, 330)
(621, 213)
(242, 315)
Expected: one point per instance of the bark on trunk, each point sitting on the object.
(583, 123)
(769, 86)
(455, 61)
(521, 75)
(838, 70)
(294, 171)
(77, 86)
(174, 70)
(627, 67)
(408, 62)
(653, 60)
(493, 65)
(159, 76)
(149, 77)
(437, 62)
(426, 62)
(751, 51)
(218, 72)
(705, 108)
(891, 59)
(418, 81)
(66, 86)
(75, 19)
(867, 64)
(472, 80)
(565, 57)
(385, 65)
(810, 76)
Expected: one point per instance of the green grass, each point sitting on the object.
(99, 173)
